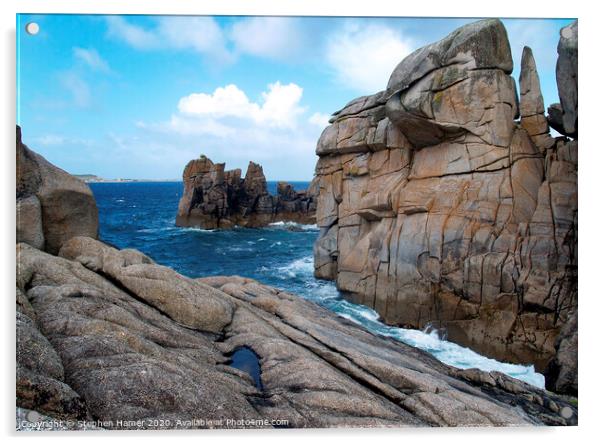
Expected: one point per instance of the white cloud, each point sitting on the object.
(91, 58)
(363, 57)
(133, 35)
(279, 106)
(200, 34)
(188, 126)
(229, 127)
(319, 119)
(273, 37)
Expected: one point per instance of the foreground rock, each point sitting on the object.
(215, 198)
(117, 355)
(437, 207)
(52, 205)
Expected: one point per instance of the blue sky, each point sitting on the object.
(139, 96)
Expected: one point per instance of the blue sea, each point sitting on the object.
(141, 215)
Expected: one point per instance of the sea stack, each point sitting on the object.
(443, 200)
(218, 198)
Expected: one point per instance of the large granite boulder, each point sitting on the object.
(52, 205)
(215, 198)
(427, 90)
(117, 356)
(436, 207)
(563, 116)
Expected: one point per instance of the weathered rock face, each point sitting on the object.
(563, 116)
(52, 205)
(437, 207)
(215, 198)
(98, 345)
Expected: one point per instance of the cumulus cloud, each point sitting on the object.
(91, 58)
(228, 126)
(200, 34)
(279, 106)
(363, 57)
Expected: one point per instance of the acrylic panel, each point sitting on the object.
(295, 222)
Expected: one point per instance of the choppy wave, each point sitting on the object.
(141, 216)
(299, 267)
(326, 294)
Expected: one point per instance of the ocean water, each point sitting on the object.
(141, 215)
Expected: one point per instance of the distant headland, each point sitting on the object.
(89, 178)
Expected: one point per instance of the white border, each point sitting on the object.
(375, 8)
(589, 205)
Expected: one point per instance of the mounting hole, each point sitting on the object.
(32, 28)
(566, 412)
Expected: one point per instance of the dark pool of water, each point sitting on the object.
(245, 359)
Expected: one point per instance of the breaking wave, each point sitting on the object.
(325, 294)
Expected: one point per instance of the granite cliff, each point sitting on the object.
(444, 200)
(109, 336)
(216, 198)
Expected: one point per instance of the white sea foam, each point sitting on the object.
(300, 267)
(288, 224)
(196, 229)
(326, 294)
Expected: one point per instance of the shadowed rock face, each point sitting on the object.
(52, 205)
(215, 198)
(437, 207)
